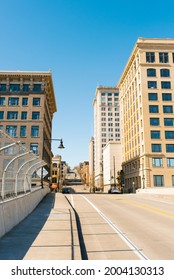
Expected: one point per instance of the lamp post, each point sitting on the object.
(61, 146)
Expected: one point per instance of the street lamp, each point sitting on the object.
(61, 146)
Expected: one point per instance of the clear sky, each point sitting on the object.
(86, 43)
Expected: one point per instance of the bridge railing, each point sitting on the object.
(17, 165)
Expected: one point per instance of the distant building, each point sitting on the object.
(106, 126)
(27, 105)
(147, 114)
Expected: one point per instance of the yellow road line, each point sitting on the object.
(149, 207)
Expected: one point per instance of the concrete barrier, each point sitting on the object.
(15, 210)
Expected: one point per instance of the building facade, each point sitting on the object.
(27, 105)
(112, 164)
(106, 126)
(91, 162)
(147, 121)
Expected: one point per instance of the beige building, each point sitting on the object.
(91, 162)
(111, 164)
(27, 105)
(147, 121)
(106, 126)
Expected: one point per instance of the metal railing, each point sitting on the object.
(17, 165)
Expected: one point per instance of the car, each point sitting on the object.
(114, 191)
(65, 190)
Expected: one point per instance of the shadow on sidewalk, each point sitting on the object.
(15, 244)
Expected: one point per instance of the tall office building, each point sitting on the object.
(106, 126)
(27, 105)
(147, 121)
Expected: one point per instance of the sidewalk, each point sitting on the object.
(48, 233)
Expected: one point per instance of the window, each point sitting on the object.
(167, 109)
(169, 134)
(23, 131)
(157, 162)
(23, 115)
(150, 57)
(170, 162)
(116, 94)
(36, 101)
(158, 180)
(1, 115)
(169, 121)
(165, 85)
(151, 72)
(170, 148)
(13, 101)
(2, 101)
(163, 57)
(156, 148)
(37, 88)
(153, 109)
(35, 115)
(153, 96)
(154, 121)
(24, 101)
(102, 94)
(14, 87)
(11, 130)
(12, 115)
(34, 131)
(103, 99)
(26, 88)
(109, 94)
(165, 73)
(155, 134)
(166, 96)
(152, 84)
(2, 87)
(34, 148)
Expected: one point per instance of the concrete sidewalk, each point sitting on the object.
(48, 233)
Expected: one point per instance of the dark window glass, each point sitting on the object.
(169, 134)
(11, 130)
(150, 57)
(23, 131)
(24, 101)
(2, 101)
(167, 96)
(168, 109)
(152, 84)
(26, 88)
(153, 109)
(2, 87)
(151, 72)
(155, 134)
(165, 85)
(23, 115)
(165, 72)
(156, 147)
(13, 101)
(158, 180)
(35, 115)
(169, 121)
(37, 87)
(153, 96)
(163, 57)
(1, 115)
(34, 148)
(14, 87)
(35, 131)
(170, 148)
(12, 115)
(36, 101)
(154, 121)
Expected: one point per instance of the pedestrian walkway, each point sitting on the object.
(48, 233)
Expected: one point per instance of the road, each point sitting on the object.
(129, 226)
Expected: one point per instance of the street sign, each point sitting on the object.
(39, 172)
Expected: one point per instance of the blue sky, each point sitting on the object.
(85, 44)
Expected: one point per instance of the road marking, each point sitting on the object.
(130, 244)
(72, 201)
(149, 207)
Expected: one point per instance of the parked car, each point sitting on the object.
(65, 190)
(114, 191)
